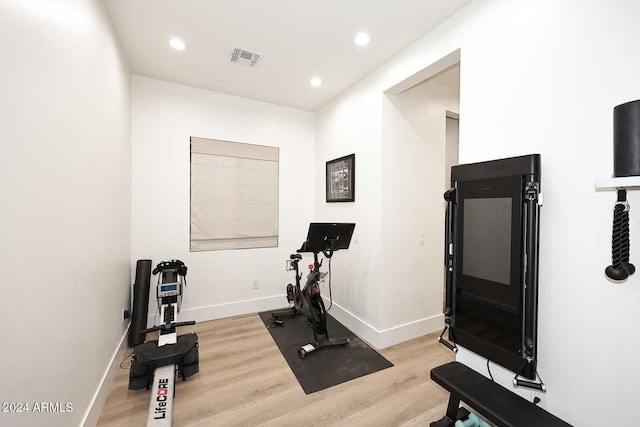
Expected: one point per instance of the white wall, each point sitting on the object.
(386, 287)
(342, 129)
(164, 116)
(453, 147)
(414, 156)
(536, 77)
(65, 208)
(366, 122)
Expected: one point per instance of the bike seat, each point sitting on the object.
(295, 256)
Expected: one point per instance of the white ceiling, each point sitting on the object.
(298, 39)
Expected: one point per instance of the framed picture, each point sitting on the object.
(341, 179)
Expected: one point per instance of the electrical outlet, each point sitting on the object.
(421, 238)
(255, 284)
(125, 314)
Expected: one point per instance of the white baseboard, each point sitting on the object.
(401, 333)
(356, 325)
(386, 337)
(100, 396)
(378, 338)
(236, 308)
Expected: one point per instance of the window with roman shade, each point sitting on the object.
(234, 195)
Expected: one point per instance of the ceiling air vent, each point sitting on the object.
(244, 57)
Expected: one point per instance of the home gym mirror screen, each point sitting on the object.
(492, 260)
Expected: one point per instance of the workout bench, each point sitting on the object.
(494, 402)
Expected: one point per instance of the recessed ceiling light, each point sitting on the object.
(315, 82)
(361, 39)
(177, 44)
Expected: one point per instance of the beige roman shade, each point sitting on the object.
(234, 195)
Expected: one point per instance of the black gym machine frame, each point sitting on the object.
(518, 179)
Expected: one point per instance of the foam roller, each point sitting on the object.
(140, 302)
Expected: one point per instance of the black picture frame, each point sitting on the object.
(340, 179)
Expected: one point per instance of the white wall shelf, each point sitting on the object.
(623, 182)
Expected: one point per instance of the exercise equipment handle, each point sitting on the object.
(620, 267)
(186, 323)
(168, 326)
(529, 384)
(448, 344)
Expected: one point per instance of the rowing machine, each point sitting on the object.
(159, 359)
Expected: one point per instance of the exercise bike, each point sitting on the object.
(158, 361)
(325, 238)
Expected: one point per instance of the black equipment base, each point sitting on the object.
(448, 422)
(285, 314)
(492, 401)
(322, 343)
(325, 368)
(148, 356)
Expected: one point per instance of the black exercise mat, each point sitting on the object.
(326, 367)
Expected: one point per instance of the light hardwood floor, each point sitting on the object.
(245, 381)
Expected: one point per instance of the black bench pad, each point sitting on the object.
(492, 401)
(150, 354)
